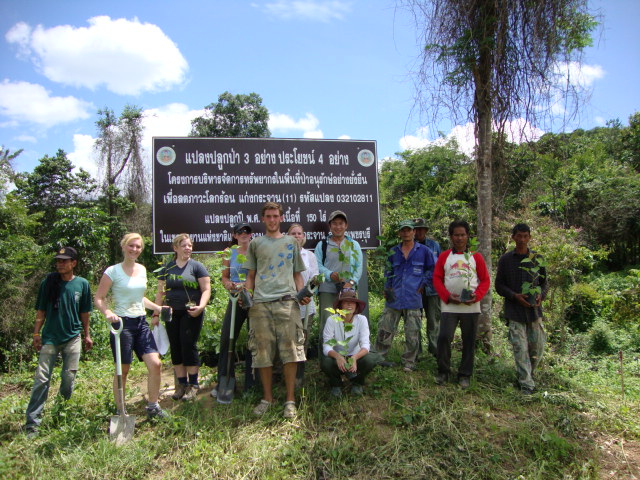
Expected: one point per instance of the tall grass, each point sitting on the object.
(405, 427)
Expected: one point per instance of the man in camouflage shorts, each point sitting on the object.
(523, 311)
(274, 265)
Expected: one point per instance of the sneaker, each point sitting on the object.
(214, 392)
(179, 391)
(290, 410)
(190, 392)
(527, 391)
(357, 390)
(156, 413)
(336, 392)
(31, 432)
(442, 378)
(464, 382)
(386, 363)
(262, 407)
(409, 367)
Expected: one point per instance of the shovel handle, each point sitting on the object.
(116, 331)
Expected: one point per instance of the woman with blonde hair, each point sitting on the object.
(185, 285)
(128, 283)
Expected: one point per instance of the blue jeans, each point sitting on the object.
(70, 352)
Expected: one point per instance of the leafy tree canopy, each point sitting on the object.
(53, 185)
(233, 116)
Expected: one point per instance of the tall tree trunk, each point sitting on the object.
(483, 168)
(484, 27)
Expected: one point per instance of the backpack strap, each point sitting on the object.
(325, 244)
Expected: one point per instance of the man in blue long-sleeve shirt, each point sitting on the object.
(409, 272)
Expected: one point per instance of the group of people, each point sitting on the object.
(275, 272)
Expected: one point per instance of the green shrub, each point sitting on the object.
(626, 306)
(602, 339)
(584, 307)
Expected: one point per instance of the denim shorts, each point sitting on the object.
(135, 337)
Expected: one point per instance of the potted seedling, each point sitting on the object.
(467, 271)
(532, 264)
(344, 256)
(340, 317)
(244, 295)
(185, 284)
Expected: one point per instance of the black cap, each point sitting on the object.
(67, 253)
(238, 227)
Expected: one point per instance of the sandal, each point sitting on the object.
(262, 407)
(290, 410)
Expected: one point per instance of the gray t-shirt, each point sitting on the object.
(274, 260)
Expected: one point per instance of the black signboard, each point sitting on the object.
(204, 186)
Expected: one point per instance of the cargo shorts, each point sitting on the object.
(276, 327)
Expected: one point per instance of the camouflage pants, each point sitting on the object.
(387, 326)
(527, 340)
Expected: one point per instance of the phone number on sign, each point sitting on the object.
(354, 198)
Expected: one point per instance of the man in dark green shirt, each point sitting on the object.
(63, 306)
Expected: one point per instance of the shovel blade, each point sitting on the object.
(121, 428)
(226, 388)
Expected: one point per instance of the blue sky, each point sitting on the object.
(325, 69)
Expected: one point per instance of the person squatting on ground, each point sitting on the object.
(274, 265)
(409, 271)
(63, 306)
(523, 314)
(128, 283)
(458, 269)
(184, 285)
(234, 276)
(307, 312)
(355, 361)
(340, 262)
(430, 299)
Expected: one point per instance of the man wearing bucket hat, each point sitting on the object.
(340, 261)
(409, 271)
(430, 299)
(346, 345)
(63, 306)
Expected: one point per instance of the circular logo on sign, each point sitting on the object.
(366, 158)
(166, 156)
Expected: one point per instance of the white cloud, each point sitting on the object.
(308, 125)
(344, 137)
(126, 56)
(27, 102)
(600, 121)
(314, 10)
(26, 138)
(313, 134)
(417, 141)
(84, 154)
(578, 74)
(172, 120)
(517, 131)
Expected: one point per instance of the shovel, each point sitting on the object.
(121, 426)
(227, 383)
(310, 289)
